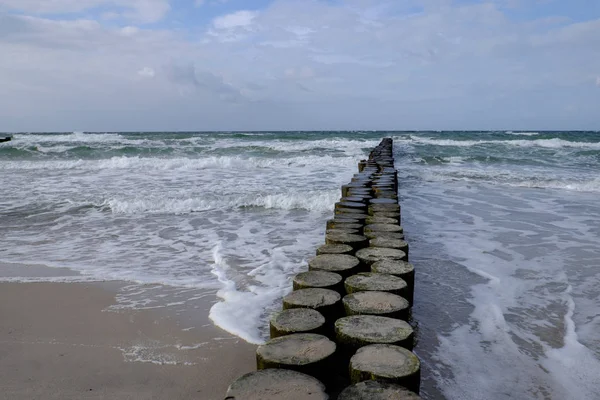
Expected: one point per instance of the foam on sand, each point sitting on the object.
(244, 312)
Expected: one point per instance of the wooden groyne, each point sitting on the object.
(343, 332)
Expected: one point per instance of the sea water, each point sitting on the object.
(503, 226)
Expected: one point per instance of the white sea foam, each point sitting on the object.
(154, 353)
(53, 279)
(554, 143)
(75, 137)
(317, 201)
(526, 178)
(183, 164)
(512, 335)
(54, 149)
(454, 160)
(243, 312)
(591, 185)
(352, 147)
(522, 133)
(574, 365)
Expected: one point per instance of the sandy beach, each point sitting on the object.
(58, 341)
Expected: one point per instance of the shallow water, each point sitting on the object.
(503, 228)
(507, 295)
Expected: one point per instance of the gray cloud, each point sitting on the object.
(141, 11)
(360, 65)
(187, 76)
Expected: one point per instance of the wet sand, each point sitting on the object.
(59, 341)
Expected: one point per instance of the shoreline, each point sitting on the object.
(61, 341)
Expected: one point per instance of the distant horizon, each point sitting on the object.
(319, 131)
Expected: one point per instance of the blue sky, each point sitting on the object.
(105, 65)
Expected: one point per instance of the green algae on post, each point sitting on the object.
(386, 214)
(343, 230)
(389, 243)
(384, 304)
(342, 264)
(358, 199)
(351, 204)
(326, 301)
(374, 208)
(371, 255)
(296, 320)
(399, 268)
(357, 331)
(373, 390)
(369, 281)
(318, 279)
(350, 212)
(311, 298)
(386, 363)
(380, 220)
(271, 384)
(335, 249)
(384, 228)
(342, 224)
(308, 353)
(386, 235)
(355, 241)
(383, 200)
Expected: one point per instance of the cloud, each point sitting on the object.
(238, 19)
(145, 11)
(200, 3)
(598, 81)
(146, 72)
(50, 7)
(361, 64)
(189, 80)
(233, 27)
(142, 11)
(300, 73)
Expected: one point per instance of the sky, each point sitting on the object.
(201, 65)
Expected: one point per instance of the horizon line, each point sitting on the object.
(306, 131)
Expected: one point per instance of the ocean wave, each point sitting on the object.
(544, 143)
(502, 177)
(314, 201)
(350, 147)
(522, 133)
(154, 163)
(592, 185)
(320, 201)
(347, 145)
(439, 160)
(284, 145)
(75, 137)
(72, 146)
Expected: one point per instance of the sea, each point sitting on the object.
(504, 229)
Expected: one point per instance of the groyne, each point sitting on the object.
(343, 332)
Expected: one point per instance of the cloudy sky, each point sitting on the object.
(106, 65)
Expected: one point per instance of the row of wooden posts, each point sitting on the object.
(343, 332)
